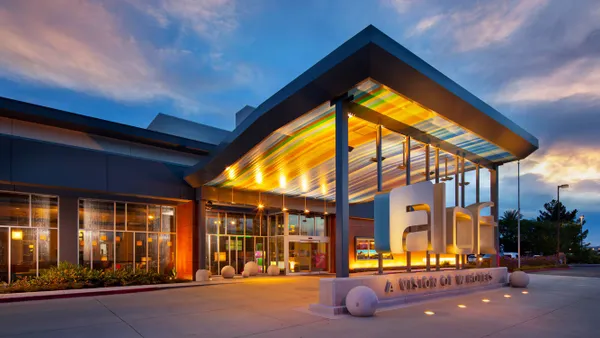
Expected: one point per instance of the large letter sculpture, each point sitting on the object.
(404, 217)
(484, 227)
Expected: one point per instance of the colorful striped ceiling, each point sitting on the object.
(299, 158)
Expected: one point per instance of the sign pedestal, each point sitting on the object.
(402, 288)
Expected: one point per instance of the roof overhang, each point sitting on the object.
(370, 55)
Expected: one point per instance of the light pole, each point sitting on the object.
(562, 186)
(519, 212)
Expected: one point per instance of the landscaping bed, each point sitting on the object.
(67, 276)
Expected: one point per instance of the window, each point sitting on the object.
(115, 235)
(365, 249)
(28, 234)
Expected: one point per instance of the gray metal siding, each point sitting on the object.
(38, 163)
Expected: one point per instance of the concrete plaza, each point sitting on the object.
(556, 306)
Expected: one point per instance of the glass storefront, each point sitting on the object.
(28, 234)
(115, 235)
(237, 237)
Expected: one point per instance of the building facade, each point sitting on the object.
(292, 185)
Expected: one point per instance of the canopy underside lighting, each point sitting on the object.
(298, 159)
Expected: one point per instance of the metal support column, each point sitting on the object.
(463, 187)
(494, 198)
(342, 208)
(477, 199)
(456, 200)
(407, 172)
(437, 180)
(427, 178)
(379, 184)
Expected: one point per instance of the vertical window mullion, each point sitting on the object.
(147, 235)
(114, 236)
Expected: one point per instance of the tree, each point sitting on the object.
(551, 212)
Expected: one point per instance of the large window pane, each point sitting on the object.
(85, 248)
(48, 248)
(294, 225)
(14, 209)
(136, 217)
(154, 218)
(104, 259)
(252, 221)
(213, 222)
(124, 244)
(223, 252)
(214, 255)
(307, 225)
(168, 219)
(263, 225)
(4, 249)
(235, 224)
(167, 253)
(96, 215)
(23, 257)
(140, 251)
(320, 226)
(120, 217)
(152, 260)
(44, 211)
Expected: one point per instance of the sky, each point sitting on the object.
(536, 61)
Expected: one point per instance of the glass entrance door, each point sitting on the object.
(308, 257)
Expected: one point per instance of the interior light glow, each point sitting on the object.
(429, 313)
(151, 217)
(525, 292)
(507, 296)
(485, 300)
(261, 206)
(17, 235)
(462, 306)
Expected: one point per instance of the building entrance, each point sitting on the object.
(308, 257)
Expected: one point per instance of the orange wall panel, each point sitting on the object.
(185, 240)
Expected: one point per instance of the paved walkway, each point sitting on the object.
(556, 306)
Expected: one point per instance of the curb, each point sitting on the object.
(546, 269)
(90, 292)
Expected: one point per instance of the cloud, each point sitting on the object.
(210, 19)
(491, 22)
(79, 49)
(99, 49)
(426, 24)
(580, 77)
(400, 6)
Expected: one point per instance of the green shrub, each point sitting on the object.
(70, 276)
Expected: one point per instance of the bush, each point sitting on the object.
(70, 276)
(529, 263)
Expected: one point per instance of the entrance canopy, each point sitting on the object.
(287, 145)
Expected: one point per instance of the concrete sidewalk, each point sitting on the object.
(555, 306)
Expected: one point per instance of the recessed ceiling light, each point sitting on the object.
(429, 313)
(485, 300)
(462, 306)
(507, 296)
(525, 292)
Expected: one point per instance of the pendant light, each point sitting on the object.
(446, 177)
(306, 211)
(260, 204)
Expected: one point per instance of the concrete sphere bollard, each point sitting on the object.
(202, 275)
(245, 274)
(361, 301)
(273, 270)
(519, 279)
(252, 268)
(228, 271)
